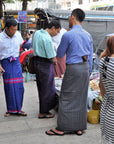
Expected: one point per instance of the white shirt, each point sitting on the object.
(57, 39)
(10, 46)
(29, 41)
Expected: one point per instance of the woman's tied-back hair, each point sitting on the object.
(109, 47)
(79, 14)
(54, 23)
(11, 22)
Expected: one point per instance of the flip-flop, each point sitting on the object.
(47, 115)
(79, 134)
(22, 113)
(7, 114)
(54, 133)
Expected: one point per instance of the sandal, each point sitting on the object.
(7, 114)
(46, 115)
(22, 113)
(79, 133)
(53, 133)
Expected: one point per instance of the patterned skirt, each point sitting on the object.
(72, 114)
(45, 83)
(107, 120)
(13, 84)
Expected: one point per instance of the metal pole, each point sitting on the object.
(19, 26)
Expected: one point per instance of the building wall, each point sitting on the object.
(31, 5)
(58, 4)
(84, 4)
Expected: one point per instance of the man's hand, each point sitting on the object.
(1, 70)
(54, 60)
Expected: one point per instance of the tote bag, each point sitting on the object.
(31, 65)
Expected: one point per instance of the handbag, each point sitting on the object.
(31, 65)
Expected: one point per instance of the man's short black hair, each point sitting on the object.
(11, 22)
(54, 23)
(79, 14)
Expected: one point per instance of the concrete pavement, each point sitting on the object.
(31, 130)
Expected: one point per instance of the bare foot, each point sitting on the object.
(7, 114)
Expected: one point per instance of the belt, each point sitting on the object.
(41, 59)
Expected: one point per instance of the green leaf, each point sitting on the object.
(27, 0)
(9, 1)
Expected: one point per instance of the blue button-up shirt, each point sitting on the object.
(76, 43)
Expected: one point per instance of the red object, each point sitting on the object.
(21, 49)
(59, 68)
(23, 55)
(24, 42)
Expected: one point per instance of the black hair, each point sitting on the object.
(31, 32)
(10, 22)
(54, 23)
(79, 14)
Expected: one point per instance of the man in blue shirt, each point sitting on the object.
(77, 44)
(45, 56)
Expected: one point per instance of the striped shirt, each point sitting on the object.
(107, 108)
